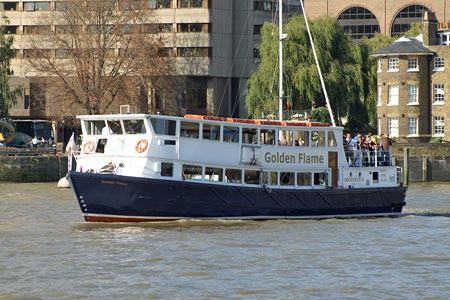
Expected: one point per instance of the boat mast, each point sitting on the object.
(317, 65)
(280, 57)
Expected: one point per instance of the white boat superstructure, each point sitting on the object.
(225, 151)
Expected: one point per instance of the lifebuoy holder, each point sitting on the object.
(141, 145)
(88, 147)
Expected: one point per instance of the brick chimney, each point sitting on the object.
(429, 28)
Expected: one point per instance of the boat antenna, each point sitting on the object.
(281, 37)
(317, 64)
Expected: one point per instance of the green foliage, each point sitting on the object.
(435, 141)
(320, 115)
(339, 60)
(7, 97)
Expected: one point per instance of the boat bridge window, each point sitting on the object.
(94, 127)
(285, 138)
(249, 135)
(267, 136)
(214, 174)
(302, 138)
(101, 145)
(166, 169)
(271, 178)
(320, 179)
(231, 134)
(303, 179)
(251, 176)
(233, 175)
(134, 126)
(164, 127)
(375, 177)
(318, 138)
(189, 129)
(287, 178)
(211, 132)
(114, 127)
(331, 139)
(192, 172)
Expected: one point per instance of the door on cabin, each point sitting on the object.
(333, 165)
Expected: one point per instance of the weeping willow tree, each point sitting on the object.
(339, 59)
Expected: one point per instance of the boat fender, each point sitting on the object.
(88, 147)
(141, 146)
(268, 189)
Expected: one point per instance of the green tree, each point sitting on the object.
(7, 97)
(339, 60)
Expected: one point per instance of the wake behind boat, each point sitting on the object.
(154, 168)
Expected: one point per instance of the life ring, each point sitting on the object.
(88, 147)
(141, 146)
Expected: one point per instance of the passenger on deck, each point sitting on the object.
(386, 144)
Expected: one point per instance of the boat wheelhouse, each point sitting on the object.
(152, 167)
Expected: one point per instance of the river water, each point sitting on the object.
(47, 251)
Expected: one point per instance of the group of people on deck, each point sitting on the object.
(39, 143)
(365, 150)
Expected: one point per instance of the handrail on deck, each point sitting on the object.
(367, 158)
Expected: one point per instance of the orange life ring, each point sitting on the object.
(141, 146)
(88, 147)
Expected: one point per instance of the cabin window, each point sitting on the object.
(249, 135)
(267, 137)
(304, 179)
(211, 132)
(115, 127)
(101, 145)
(94, 127)
(301, 138)
(189, 130)
(285, 138)
(318, 138)
(164, 127)
(271, 178)
(167, 169)
(320, 179)
(375, 177)
(231, 134)
(233, 175)
(251, 177)
(287, 178)
(192, 172)
(331, 139)
(214, 174)
(134, 126)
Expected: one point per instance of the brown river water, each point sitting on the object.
(47, 251)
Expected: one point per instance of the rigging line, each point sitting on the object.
(317, 64)
(235, 56)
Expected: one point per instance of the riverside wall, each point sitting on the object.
(45, 168)
(427, 162)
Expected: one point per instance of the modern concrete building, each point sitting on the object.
(213, 41)
(364, 17)
(413, 84)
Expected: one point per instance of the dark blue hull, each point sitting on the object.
(112, 198)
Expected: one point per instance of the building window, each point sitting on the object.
(393, 127)
(413, 97)
(194, 52)
(438, 91)
(359, 22)
(438, 64)
(379, 125)
(393, 64)
(152, 4)
(194, 27)
(413, 64)
(407, 16)
(257, 29)
(393, 95)
(379, 65)
(190, 3)
(413, 124)
(11, 6)
(379, 95)
(36, 6)
(438, 126)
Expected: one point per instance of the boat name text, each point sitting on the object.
(113, 182)
(284, 158)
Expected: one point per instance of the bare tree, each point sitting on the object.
(98, 54)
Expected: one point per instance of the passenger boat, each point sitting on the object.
(155, 168)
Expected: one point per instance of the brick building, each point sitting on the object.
(413, 83)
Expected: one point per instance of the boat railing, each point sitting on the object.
(368, 158)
